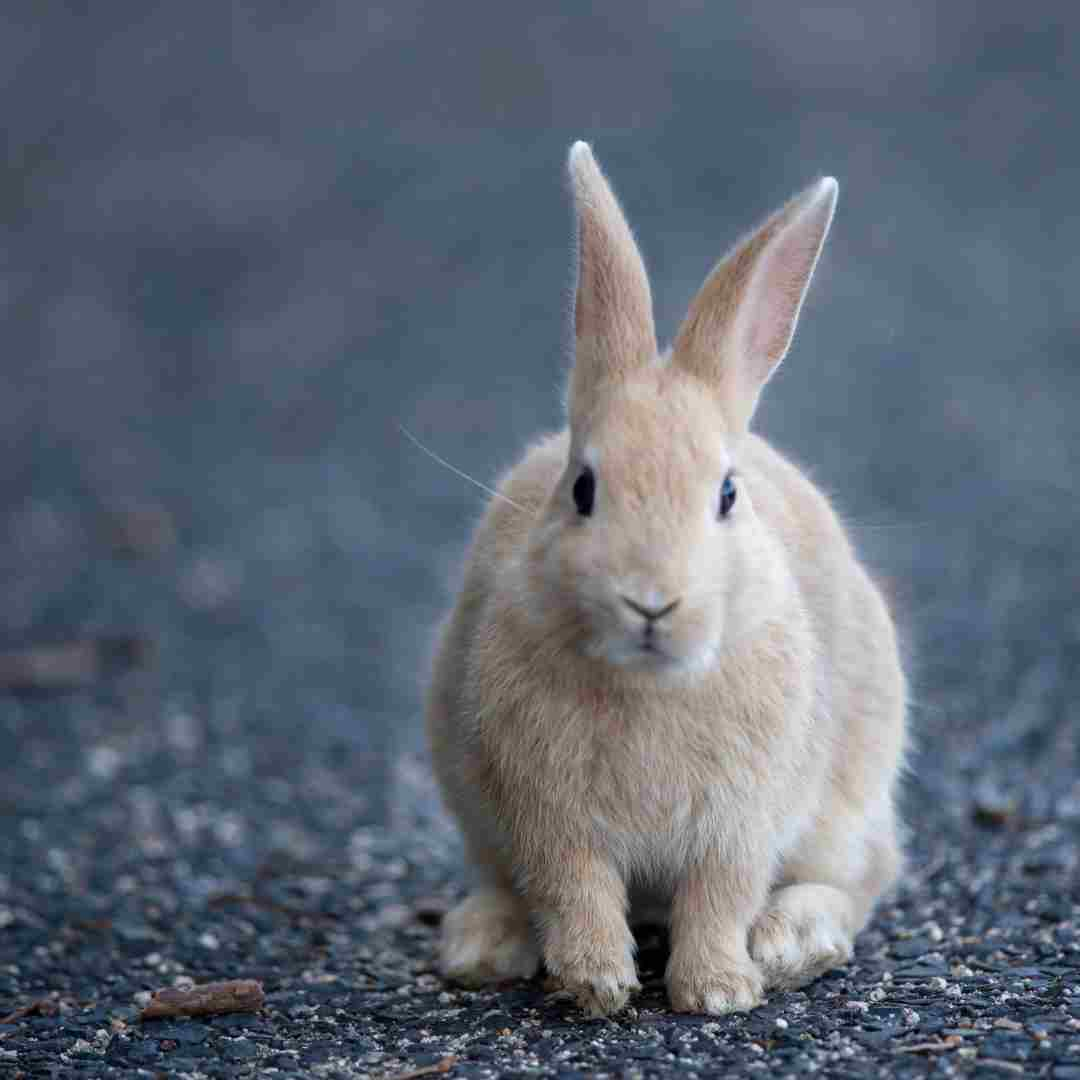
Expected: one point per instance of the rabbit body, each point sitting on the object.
(653, 698)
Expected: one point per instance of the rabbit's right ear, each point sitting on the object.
(741, 323)
(613, 317)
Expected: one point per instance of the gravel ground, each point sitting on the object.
(133, 859)
(240, 246)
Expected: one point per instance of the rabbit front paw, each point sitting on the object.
(801, 935)
(717, 987)
(600, 991)
(487, 938)
(601, 979)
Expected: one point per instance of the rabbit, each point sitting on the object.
(667, 682)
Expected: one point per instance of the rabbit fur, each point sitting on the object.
(657, 705)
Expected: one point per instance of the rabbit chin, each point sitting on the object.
(632, 653)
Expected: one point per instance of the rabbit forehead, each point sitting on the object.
(661, 427)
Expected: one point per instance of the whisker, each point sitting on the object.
(881, 526)
(457, 472)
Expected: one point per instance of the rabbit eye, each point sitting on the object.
(585, 491)
(727, 495)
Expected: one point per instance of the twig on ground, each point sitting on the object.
(209, 999)
(41, 1007)
(140, 532)
(72, 663)
(225, 899)
(950, 1042)
(443, 1066)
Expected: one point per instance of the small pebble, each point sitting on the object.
(993, 806)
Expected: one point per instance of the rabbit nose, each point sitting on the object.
(651, 614)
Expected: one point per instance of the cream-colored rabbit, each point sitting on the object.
(667, 679)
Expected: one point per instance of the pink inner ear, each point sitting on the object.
(740, 324)
(769, 309)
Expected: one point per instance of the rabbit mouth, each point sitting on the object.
(653, 646)
(649, 645)
(655, 654)
(641, 652)
(648, 653)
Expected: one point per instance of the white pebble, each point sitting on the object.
(209, 941)
(781, 1023)
(104, 762)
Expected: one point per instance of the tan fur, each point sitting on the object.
(613, 318)
(741, 773)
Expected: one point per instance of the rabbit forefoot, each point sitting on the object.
(487, 938)
(713, 985)
(597, 967)
(803, 932)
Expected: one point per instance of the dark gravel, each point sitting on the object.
(134, 859)
(240, 243)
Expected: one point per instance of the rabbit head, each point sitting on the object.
(649, 553)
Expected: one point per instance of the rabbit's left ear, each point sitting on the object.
(742, 321)
(613, 317)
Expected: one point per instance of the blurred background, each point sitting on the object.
(242, 243)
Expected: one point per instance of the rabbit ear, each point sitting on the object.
(741, 323)
(613, 319)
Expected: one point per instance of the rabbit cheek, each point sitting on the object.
(559, 581)
(575, 588)
(697, 644)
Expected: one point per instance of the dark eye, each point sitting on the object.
(727, 495)
(585, 491)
